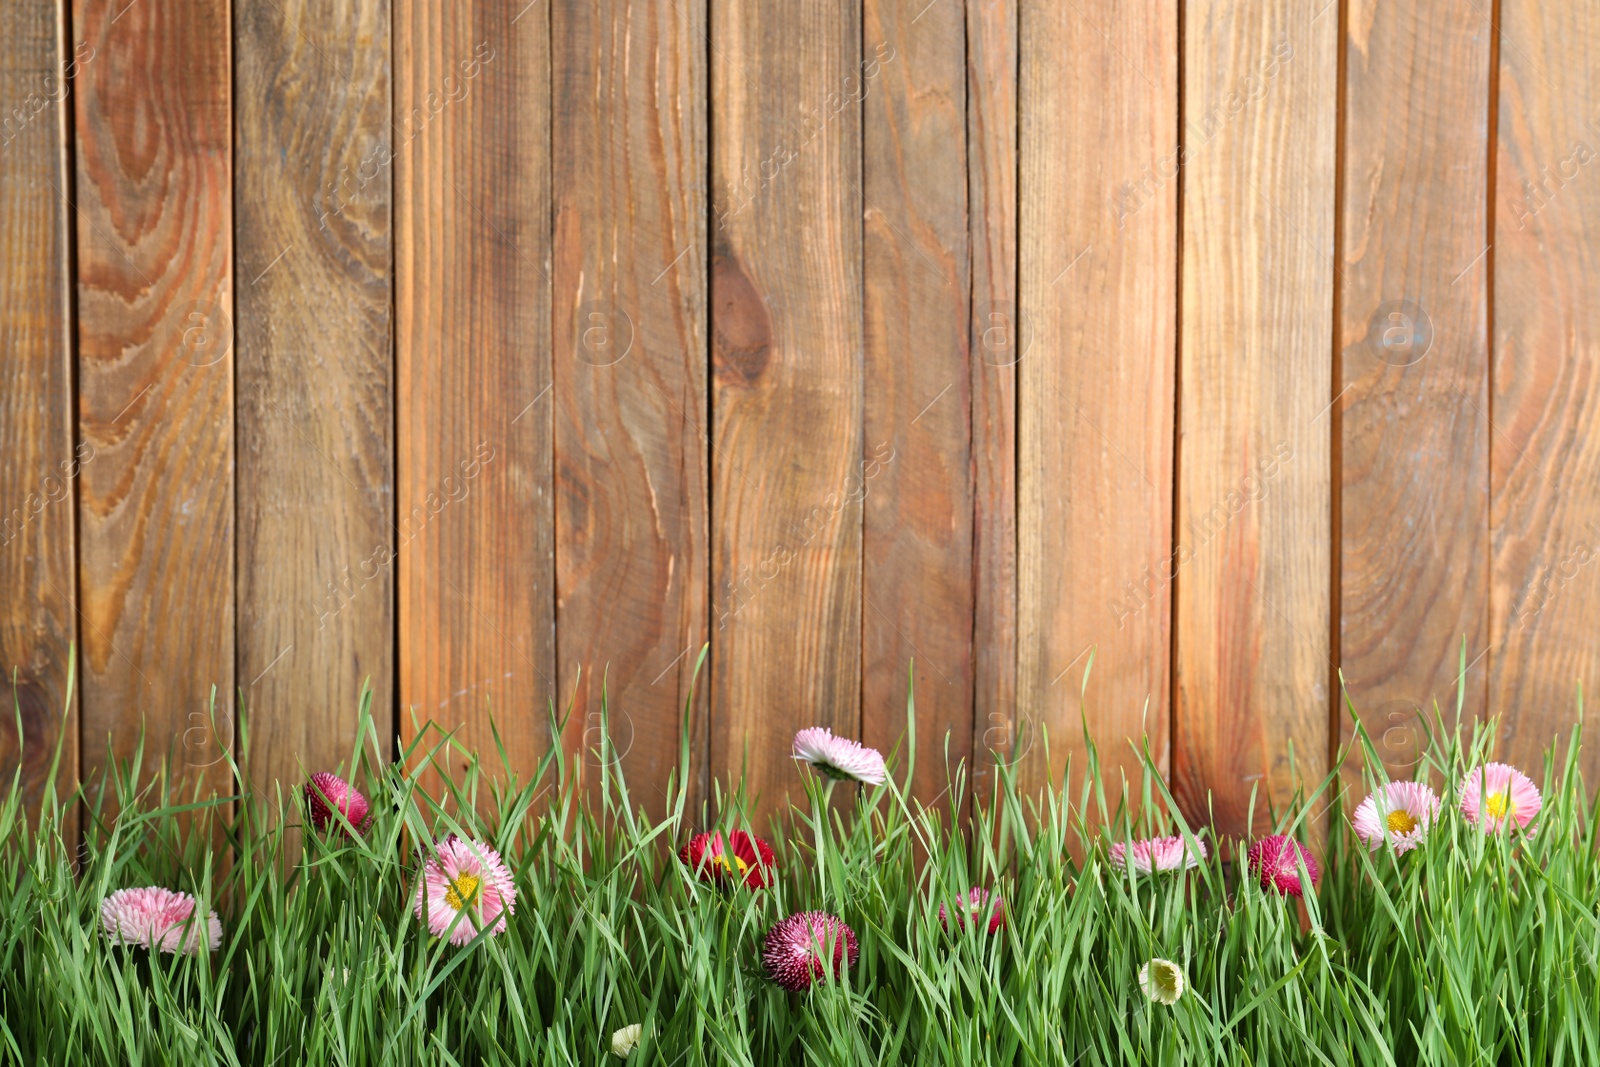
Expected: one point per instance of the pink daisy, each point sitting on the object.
(467, 879)
(976, 904)
(327, 793)
(1159, 854)
(795, 948)
(1272, 859)
(1502, 794)
(1400, 812)
(839, 757)
(157, 918)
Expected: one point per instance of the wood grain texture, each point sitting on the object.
(155, 368)
(1098, 279)
(38, 616)
(1544, 444)
(630, 320)
(1252, 620)
(787, 363)
(1413, 322)
(313, 168)
(475, 515)
(916, 551)
(995, 337)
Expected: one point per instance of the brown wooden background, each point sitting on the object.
(465, 346)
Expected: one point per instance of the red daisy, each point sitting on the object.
(741, 857)
(1272, 859)
(795, 948)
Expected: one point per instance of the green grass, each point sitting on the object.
(1474, 949)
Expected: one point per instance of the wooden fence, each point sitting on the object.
(462, 347)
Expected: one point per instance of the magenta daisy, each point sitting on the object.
(327, 793)
(974, 907)
(1500, 794)
(467, 880)
(157, 918)
(1400, 812)
(839, 757)
(1272, 860)
(795, 948)
(1158, 854)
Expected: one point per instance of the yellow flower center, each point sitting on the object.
(463, 891)
(1498, 805)
(731, 864)
(1401, 822)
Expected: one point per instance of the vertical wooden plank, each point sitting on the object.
(472, 194)
(787, 365)
(630, 380)
(1414, 460)
(155, 366)
(995, 348)
(916, 486)
(1254, 511)
(316, 540)
(1098, 278)
(1544, 443)
(38, 620)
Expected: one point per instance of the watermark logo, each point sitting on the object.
(1005, 334)
(205, 334)
(203, 738)
(1007, 742)
(607, 739)
(605, 333)
(1395, 727)
(1400, 333)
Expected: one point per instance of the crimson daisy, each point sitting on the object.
(740, 857)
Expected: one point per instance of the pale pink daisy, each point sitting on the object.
(1158, 854)
(839, 757)
(1502, 794)
(467, 880)
(1400, 812)
(158, 918)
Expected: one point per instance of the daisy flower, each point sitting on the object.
(1159, 854)
(1400, 812)
(466, 879)
(1272, 859)
(327, 793)
(839, 757)
(1162, 981)
(1499, 793)
(973, 909)
(795, 947)
(741, 857)
(624, 1041)
(157, 918)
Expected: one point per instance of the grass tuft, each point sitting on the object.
(1473, 949)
